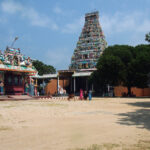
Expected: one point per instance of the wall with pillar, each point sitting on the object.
(51, 87)
(119, 90)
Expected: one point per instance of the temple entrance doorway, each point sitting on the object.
(14, 83)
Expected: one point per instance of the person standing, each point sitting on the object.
(2, 88)
(85, 95)
(26, 88)
(81, 94)
(90, 95)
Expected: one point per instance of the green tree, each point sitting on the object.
(123, 65)
(147, 37)
(115, 68)
(43, 68)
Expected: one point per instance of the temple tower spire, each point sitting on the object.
(90, 45)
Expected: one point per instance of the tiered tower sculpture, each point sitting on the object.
(90, 45)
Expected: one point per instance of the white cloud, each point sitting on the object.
(39, 20)
(11, 7)
(136, 22)
(35, 18)
(122, 22)
(74, 27)
(128, 28)
(57, 10)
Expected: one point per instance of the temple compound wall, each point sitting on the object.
(138, 92)
(52, 88)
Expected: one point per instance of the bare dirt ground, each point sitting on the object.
(103, 123)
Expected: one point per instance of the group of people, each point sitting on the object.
(85, 94)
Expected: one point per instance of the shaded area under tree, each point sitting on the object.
(139, 117)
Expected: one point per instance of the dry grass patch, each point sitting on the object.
(1, 117)
(106, 146)
(55, 105)
(141, 145)
(10, 106)
(4, 128)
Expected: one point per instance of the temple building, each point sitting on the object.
(15, 73)
(90, 45)
(89, 48)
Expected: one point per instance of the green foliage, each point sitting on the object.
(123, 65)
(147, 37)
(113, 63)
(124, 52)
(43, 68)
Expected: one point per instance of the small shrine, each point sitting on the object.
(15, 73)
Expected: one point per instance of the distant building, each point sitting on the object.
(90, 45)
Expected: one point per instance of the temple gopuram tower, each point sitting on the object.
(90, 45)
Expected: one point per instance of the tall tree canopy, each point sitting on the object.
(147, 37)
(123, 65)
(43, 68)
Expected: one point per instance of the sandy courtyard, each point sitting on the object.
(104, 123)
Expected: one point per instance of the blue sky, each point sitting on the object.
(49, 29)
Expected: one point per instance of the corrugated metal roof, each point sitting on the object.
(46, 76)
(76, 74)
(81, 74)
